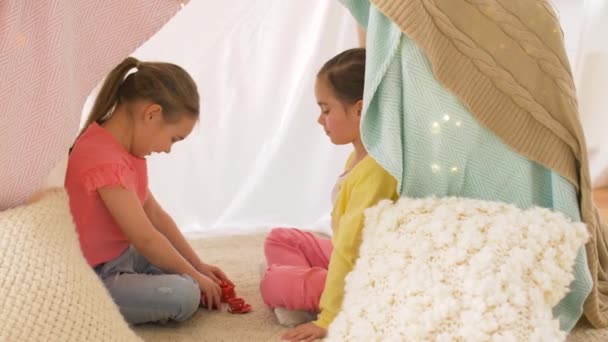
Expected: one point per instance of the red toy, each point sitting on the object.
(227, 292)
(236, 305)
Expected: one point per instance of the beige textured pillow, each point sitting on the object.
(47, 289)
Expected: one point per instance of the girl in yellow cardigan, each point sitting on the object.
(306, 272)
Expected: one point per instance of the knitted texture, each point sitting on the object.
(48, 291)
(506, 61)
(454, 269)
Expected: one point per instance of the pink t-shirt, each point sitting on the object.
(99, 160)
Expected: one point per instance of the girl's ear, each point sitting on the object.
(153, 112)
(359, 107)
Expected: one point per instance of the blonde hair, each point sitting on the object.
(166, 84)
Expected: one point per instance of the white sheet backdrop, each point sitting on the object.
(258, 158)
(591, 71)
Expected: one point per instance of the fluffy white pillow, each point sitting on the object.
(47, 289)
(454, 269)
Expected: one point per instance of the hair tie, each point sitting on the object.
(132, 70)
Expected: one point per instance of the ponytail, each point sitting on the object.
(108, 95)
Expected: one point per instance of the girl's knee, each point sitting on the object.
(186, 297)
(275, 284)
(165, 298)
(277, 233)
(292, 288)
(280, 235)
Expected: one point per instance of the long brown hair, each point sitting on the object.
(166, 84)
(346, 74)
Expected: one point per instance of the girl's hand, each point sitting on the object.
(213, 272)
(307, 332)
(211, 290)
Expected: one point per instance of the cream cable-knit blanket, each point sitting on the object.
(48, 292)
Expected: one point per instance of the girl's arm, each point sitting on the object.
(366, 191)
(364, 194)
(128, 213)
(165, 225)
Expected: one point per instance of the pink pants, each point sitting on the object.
(297, 267)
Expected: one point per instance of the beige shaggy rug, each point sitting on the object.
(240, 257)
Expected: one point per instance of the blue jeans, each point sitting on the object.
(146, 294)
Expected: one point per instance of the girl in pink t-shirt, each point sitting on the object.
(132, 243)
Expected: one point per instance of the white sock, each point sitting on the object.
(291, 318)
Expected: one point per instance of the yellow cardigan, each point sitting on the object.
(364, 186)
